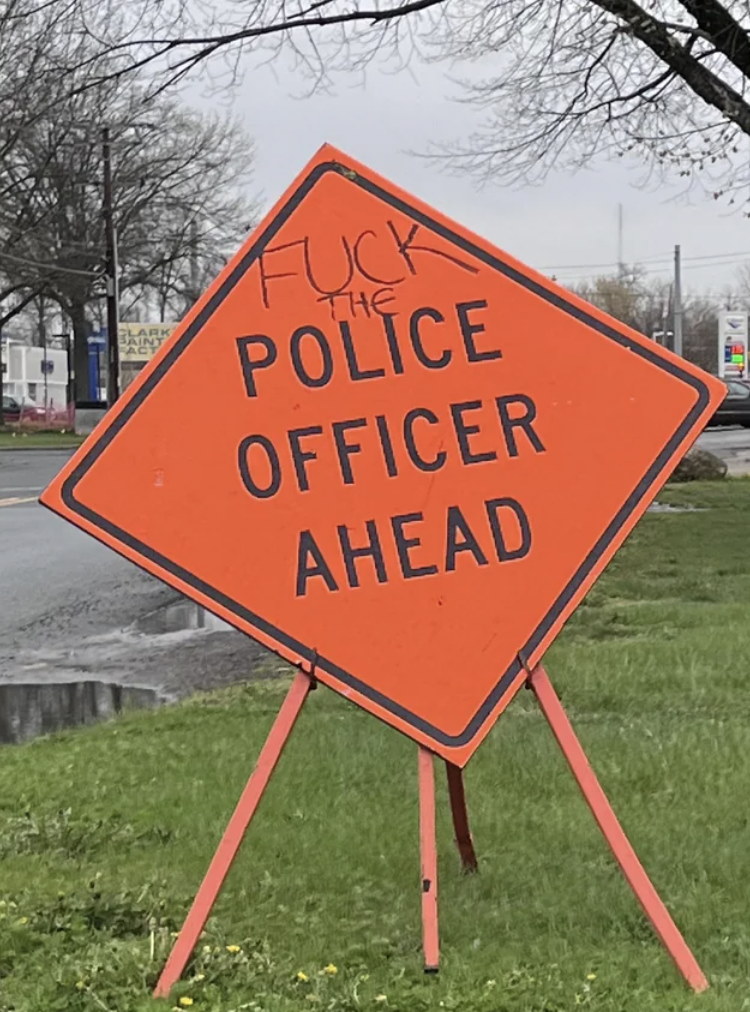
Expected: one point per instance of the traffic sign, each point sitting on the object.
(388, 451)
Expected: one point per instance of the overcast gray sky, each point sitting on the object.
(571, 220)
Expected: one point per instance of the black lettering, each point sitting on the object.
(393, 348)
(463, 431)
(457, 524)
(325, 354)
(249, 365)
(265, 278)
(371, 550)
(361, 301)
(351, 357)
(377, 301)
(523, 421)
(504, 554)
(311, 278)
(308, 552)
(404, 545)
(331, 300)
(387, 444)
(411, 446)
(300, 456)
(361, 269)
(416, 340)
(243, 459)
(407, 246)
(469, 329)
(344, 449)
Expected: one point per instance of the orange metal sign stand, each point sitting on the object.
(426, 456)
(538, 681)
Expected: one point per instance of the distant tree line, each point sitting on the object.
(646, 305)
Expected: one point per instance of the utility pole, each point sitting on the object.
(2, 374)
(113, 311)
(620, 263)
(677, 303)
(43, 343)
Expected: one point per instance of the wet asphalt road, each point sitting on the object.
(70, 607)
(733, 445)
(57, 584)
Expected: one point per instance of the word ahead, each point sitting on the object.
(459, 537)
(420, 458)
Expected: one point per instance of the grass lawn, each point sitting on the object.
(14, 440)
(105, 833)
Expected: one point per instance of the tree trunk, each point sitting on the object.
(82, 391)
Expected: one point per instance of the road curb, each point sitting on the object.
(39, 449)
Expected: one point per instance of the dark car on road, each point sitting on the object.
(14, 411)
(735, 408)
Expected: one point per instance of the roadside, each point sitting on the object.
(732, 445)
(11, 439)
(71, 609)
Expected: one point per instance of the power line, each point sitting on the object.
(665, 259)
(50, 267)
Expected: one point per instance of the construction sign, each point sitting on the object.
(423, 453)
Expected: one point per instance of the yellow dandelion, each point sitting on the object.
(24, 920)
(80, 985)
(331, 970)
(301, 975)
(590, 976)
(233, 949)
(206, 950)
(185, 1001)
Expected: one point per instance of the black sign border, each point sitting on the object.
(308, 653)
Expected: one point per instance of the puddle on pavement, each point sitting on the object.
(28, 710)
(178, 617)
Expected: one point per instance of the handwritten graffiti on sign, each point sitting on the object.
(421, 455)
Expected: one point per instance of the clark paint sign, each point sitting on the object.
(421, 457)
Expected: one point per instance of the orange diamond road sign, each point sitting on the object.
(382, 447)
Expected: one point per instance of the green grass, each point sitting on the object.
(105, 833)
(15, 440)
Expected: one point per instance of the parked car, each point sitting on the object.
(15, 411)
(735, 408)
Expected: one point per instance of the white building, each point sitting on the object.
(35, 375)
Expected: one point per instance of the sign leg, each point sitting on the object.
(459, 811)
(428, 855)
(613, 832)
(233, 835)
